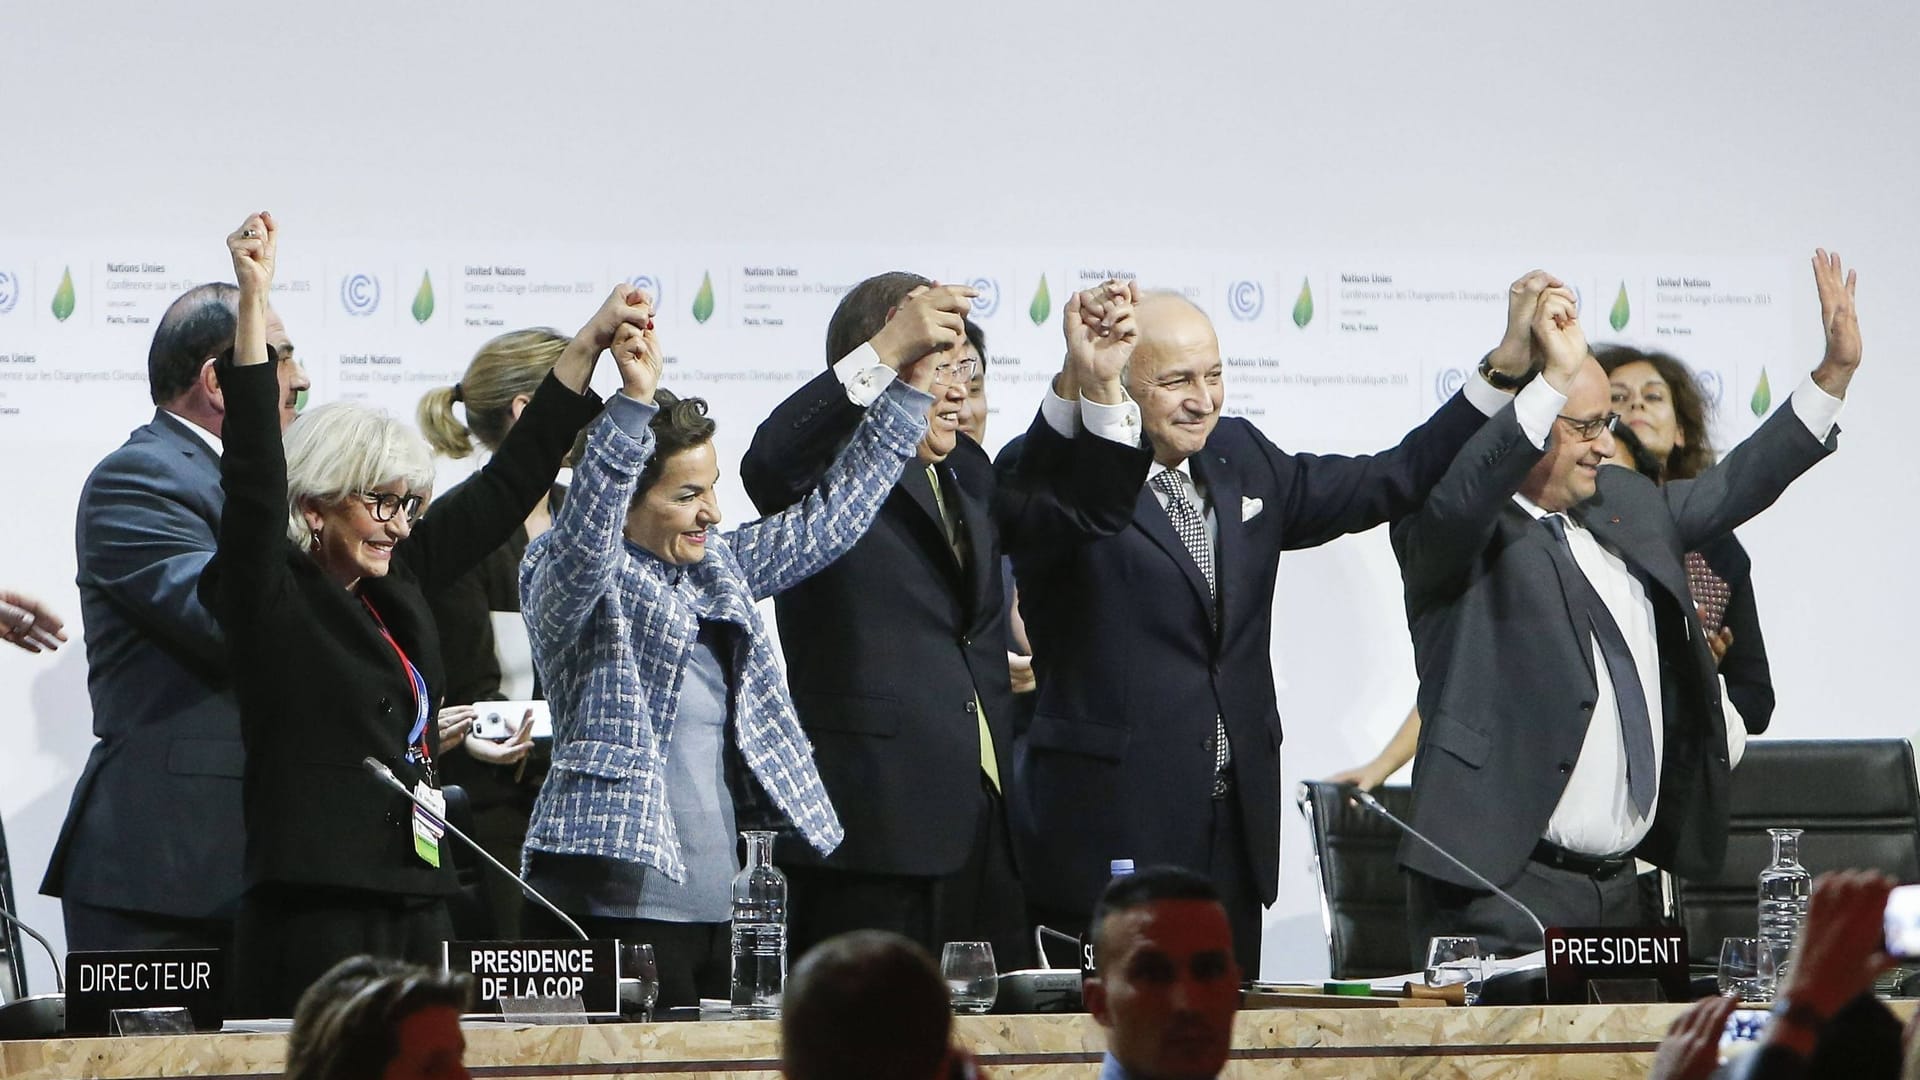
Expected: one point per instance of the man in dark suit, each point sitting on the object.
(1156, 736)
(1572, 717)
(897, 652)
(150, 854)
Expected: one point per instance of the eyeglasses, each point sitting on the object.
(951, 374)
(383, 504)
(1591, 429)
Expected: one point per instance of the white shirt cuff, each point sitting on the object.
(1059, 413)
(862, 373)
(1816, 408)
(1485, 396)
(1115, 423)
(1536, 406)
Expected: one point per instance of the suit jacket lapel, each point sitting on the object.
(1151, 518)
(1563, 564)
(1621, 534)
(174, 430)
(920, 490)
(973, 504)
(1223, 493)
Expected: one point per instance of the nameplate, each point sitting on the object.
(100, 982)
(1579, 955)
(588, 970)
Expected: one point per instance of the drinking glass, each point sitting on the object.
(1456, 961)
(639, 981)
(1740, 975)
(971, 979)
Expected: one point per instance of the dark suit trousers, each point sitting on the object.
(981, 901)
(1559, 897)
(92, 927)
(288, 936)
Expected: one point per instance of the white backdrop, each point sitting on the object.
(1449, 147)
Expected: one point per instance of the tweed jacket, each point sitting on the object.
(612, 626)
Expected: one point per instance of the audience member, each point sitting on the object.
(1167, 984)
(368, 1017)
(150, 854)
(661, 673)
(318, 584)
(897, 652)
(28, 624)
(868, 1005)
(500, 778)
(1525, 528)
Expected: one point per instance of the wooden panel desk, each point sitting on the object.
(1604, 1042)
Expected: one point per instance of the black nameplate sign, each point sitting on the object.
(100, 982)
(1578, 955)
(588, 970)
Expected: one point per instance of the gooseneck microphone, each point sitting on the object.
(385, 775)
(59, 982)
(1367, 800)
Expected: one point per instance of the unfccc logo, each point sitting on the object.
(988, 302)
(1246, 299)
(648, 284)
(1448, 381)
(360, 294)
(9, 291)
(1712, 386)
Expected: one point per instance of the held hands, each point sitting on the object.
(636, 353)
(1516, 355)
(1840, 320)
(1557, 336)
(932, 318)
(26, 623)
(625, 305)
(1101, 333)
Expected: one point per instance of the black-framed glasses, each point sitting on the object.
(384, 504)
(952, 374)
(1591, 429)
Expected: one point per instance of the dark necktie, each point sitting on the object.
(1192, 526)
(1636, 725)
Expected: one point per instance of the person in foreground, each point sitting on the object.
(1603, 736)
(662, 675)
(1168, 985)
(1826, 1022)
(368, 1017)
(318, 584)
(868, 1005)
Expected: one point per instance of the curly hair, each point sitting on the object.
(1689, 408)
(347, 1024)
(681, 424)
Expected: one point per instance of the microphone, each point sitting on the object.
(1367, 800)
(59, 982)
(385, 775)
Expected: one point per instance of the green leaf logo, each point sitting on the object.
(703, 300)
(1762, 396)
(1622, 311)
(63, 296)
(1042, 305)
(423, 300)
(300, 401)
(1303, 305)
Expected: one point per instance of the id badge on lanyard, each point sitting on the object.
(428, 827)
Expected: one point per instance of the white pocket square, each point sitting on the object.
(1250, 508)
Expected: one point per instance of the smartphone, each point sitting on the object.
(1903, 922)
(498, 719)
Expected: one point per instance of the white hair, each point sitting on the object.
(343, 447)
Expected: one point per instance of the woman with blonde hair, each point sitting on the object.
(318, 583)
(482, 638)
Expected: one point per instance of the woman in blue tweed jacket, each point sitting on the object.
(666, 693)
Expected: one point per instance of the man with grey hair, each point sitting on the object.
(150, 854)
(1156, 736)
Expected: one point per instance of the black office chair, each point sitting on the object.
(1856, 800)
(13, 966)
(1363, 899)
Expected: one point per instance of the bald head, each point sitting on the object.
(1175, 375)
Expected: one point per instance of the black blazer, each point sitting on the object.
(1507, 685)
(887, 648)
(319, 688)
(1117, 763)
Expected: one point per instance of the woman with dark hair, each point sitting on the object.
(368, 1017)
(668, 704)
(318, 582)
(1663, 433)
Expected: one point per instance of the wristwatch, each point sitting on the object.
(1500, 380)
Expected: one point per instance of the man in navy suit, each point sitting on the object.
(1156, 736)
(150, 854)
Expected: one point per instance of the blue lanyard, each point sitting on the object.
(418, 751)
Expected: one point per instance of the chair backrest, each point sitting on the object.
(1857, 802)
(1363, 898)
(13, 966)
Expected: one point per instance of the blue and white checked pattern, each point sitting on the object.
(612, 627)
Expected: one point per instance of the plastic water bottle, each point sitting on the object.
(759, 932)
(1785, 886)
(1116, 868)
